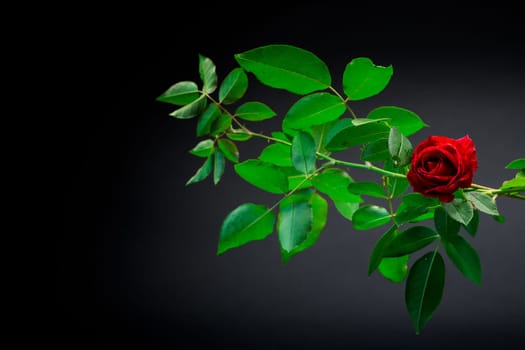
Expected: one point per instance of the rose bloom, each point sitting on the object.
(440, 165)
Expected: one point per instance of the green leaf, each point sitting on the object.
(314, 109)
(248, 222)
(361, 121)
(180, 94)
(296, 179)
(191, 110)
(335, 127)
(412, 206)
(464, 257)
(334, 183)
(278, 154)
(208, 74)
(399, 147)
(499, 218)
(203, 149)
(357, 135)
(516, 164)
(397, 186)
(286, 67)
(319, 208)
(429, 215)
(233, 86)
(394, 269)
(263, 175)
(206, 119)
(517, 183)
(472, 227)
(410, 241)
(281, 136)
(376, 151)
(295, 221)
(460, 210)
(254, 111)
(238, 135)
(370, 216)
(346, 209)
(377, 253)
(221, 124)
(363, 79)
(406, 121)
(371, 189)
(446, 226)
(319, 133)
(203, 172)
(230, 150)
(218, 167)
(483, 202)
(303, 153)
(424, 289)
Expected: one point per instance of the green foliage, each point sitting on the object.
(464, 257)
(353, 135)
(399, 147)
(516, 164)
(263, 175)
(278, 154)
(207, 119)
(314, 109)
(406, 121)
(303, 153)
(424, 288)
(370, 216)
(208, 74)
(297, 163)
(334, 183)
(483, 202)
(203, 172)
(413, 205)
(286, 67)
(394, 269)
(191, 110)
(254, 111)
(378, 252)
(446, 226)
(410, 241)
(460, 210)
(181, 93)
(248, 222)
(302, 217)
(363, 79)
(233, 87)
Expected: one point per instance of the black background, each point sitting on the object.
(136, 262)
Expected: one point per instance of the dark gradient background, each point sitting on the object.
(136, 261)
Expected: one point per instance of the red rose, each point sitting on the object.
(440, 165)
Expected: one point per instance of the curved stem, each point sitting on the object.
(345, 101)
(365, 166)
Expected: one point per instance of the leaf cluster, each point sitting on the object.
(299, 165)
